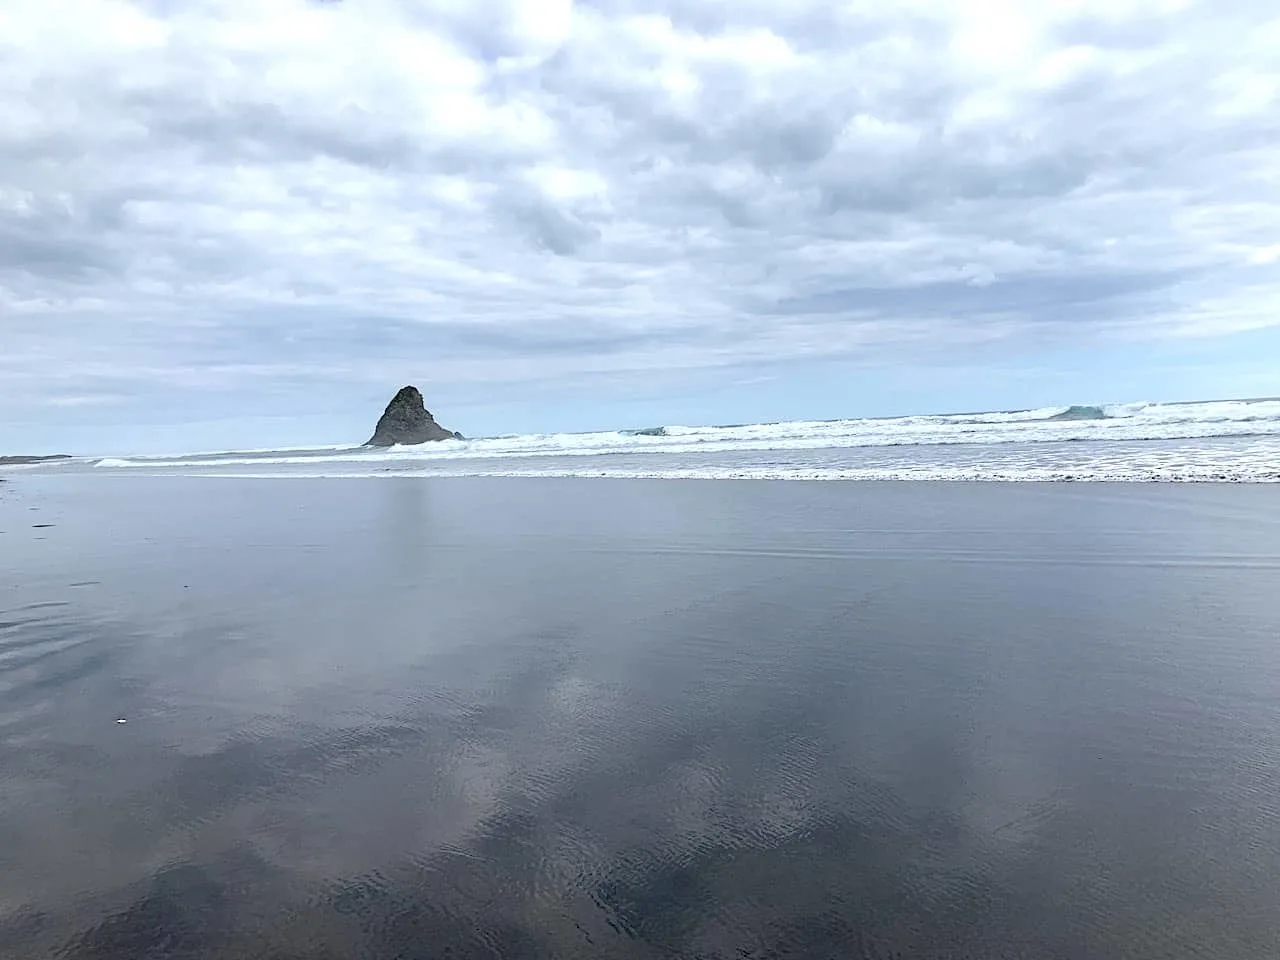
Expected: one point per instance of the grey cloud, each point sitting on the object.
(548, 227)
(249, 130)
(53, 255)
(55, 242)
(1048, 298)
(678, 190)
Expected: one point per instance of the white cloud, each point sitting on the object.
(525, 188)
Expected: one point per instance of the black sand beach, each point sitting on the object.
(411, 718)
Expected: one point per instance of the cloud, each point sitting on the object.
(219, 194)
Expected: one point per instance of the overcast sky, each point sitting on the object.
(258, 218)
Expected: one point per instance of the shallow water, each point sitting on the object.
(574, 718)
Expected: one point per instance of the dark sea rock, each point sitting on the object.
(407, 420)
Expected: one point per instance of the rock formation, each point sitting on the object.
(407, 420)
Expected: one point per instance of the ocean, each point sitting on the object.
(251, 710)
(1214, 440)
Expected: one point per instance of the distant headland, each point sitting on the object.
(18, 461)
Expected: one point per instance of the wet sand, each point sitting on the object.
(580, 718)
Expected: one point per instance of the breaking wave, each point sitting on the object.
(784, 447)
(1081, 413)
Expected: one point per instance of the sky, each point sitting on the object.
(248, 222)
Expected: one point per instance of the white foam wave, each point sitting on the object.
(1133, 421)
(1215, 474)
(242, 452)
(1255, 460)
